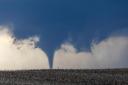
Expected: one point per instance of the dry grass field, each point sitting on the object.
(65, 77)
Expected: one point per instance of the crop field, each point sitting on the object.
(65, 77)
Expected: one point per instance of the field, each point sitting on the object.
(65, 77)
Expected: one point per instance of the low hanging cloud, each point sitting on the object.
(109, 53)
(20, 54)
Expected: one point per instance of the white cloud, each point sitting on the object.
(112, 52)
(109, 53)
(20, 54)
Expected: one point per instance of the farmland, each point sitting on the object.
(65, 77)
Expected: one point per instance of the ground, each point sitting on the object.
(65, 77)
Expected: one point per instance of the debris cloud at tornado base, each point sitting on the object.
(23, 54)
(109, 53)
(20, 54)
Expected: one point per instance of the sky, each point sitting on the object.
(76, 22)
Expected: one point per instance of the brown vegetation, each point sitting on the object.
(65, 77)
